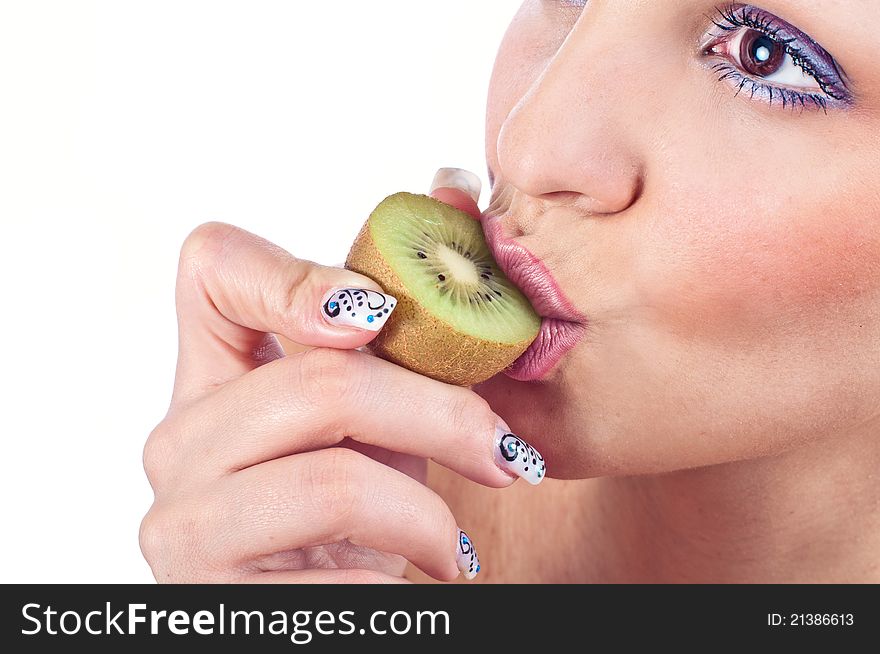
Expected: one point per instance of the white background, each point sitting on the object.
(123, 125)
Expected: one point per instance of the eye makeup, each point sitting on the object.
(769, 59)
(765, 58)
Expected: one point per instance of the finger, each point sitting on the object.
(341, 577)
(458, 188)
(234, 288)
(326, 497)
(316, 399)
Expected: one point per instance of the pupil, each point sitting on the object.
(761, 55)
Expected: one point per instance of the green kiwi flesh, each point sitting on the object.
(458, 319)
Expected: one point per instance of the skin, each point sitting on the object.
(727, 257)
(290, 469)
(718, 421)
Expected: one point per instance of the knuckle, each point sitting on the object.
(171, 540)
(203, 252)
(206, 240)
(329, 377)
(153, 538)
(157, 454)
(468, 414)
(334, 483)
(292, 277)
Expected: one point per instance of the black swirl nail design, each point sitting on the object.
(466, 556)
(517, 457)
(357, 307)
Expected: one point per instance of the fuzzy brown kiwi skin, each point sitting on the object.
(416, 340)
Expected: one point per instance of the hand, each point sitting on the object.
(309, 467)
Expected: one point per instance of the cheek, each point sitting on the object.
(759, 318)
(762, 259)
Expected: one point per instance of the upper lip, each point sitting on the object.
(529, 274)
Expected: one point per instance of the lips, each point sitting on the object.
(562, 326)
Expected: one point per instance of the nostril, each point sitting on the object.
(616, 199)
(564, 198)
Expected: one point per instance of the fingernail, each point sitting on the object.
(516, 457)
(466, 556)
(357, 307)
(463, 180)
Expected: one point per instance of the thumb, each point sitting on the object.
(458, 188)
(235, 291)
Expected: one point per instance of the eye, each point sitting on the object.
(773, 60)
(761, 56)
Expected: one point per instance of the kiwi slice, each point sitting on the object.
(458, 318)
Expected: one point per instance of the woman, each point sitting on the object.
(690, 196)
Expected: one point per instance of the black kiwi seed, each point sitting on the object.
(488, 297)
(442, 278)
(498, 293)
(422, 255)
(484, 276)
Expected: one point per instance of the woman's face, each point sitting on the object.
(720, 237)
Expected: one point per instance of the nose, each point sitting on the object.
(568, 136)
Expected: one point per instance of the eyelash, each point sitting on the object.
(735, 17)
(788, 96)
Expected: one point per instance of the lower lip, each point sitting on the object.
(555, 339)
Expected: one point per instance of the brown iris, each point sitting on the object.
(759, 54)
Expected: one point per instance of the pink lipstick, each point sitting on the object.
(562, 326)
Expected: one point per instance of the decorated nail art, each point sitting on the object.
(356, 307)
(466, 556)
(517, 457)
